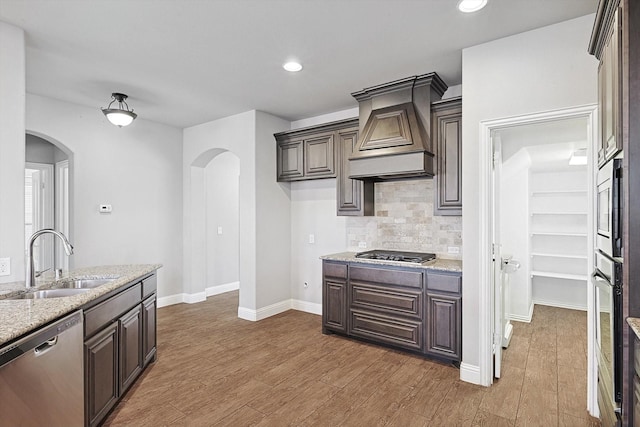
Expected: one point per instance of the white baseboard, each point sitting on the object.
(520, 318)
(470, 373)
(264, 312)
(170, 300)
(579, 307)
(220, 289)
(306, 306)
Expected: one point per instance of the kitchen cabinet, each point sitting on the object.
(609, 143)
(120, 340)
(446, 129)
(307, 154)
(101, 373)
(406, 308)
(444, 315)
(355, 197)
(334, 297)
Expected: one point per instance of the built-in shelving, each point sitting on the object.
(558, 228)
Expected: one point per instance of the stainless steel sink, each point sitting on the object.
(86, 283)
(51, 293)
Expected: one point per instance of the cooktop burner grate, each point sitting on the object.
(417, 257)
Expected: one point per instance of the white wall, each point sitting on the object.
(514, 231)
(540, 70)
(137, 170)
(264, 207)
(222, 210)
(12, 149)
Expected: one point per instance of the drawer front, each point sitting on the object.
(98, 316)
(411, 279)
(444, 282)
(386, 329)
(149, 285)
(392, 300)
(332, 269)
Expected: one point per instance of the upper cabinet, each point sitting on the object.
(323, 151)
(446, 131)
(606, 44)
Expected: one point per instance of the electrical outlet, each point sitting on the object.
(453, 249)
(306, 284)
(5, 266)
(219, 229)
(312, 238)
(362, 245)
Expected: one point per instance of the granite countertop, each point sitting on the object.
(441, 264)
(634, 322)
(20, 316)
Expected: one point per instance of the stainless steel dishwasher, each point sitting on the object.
(41, 377)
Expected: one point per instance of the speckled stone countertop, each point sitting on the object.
(20, 316)
(634, 322)
(436, 264)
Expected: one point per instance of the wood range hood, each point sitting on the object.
(395, 129)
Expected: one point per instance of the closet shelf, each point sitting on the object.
(555, 233)
(558, 213)
(559, 275)
(558, 193)
(543, 254)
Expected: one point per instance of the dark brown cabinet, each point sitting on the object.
(334, 297)
(101, 373)
(610, 142)
(130, 335)
(446, 127)
(355, 197)
(305, 154)
(120, 340)
(394, 306)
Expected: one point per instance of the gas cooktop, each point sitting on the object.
(401, 256)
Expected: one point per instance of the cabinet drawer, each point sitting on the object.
(332, 269)
(98, 316)
(412, 279)
(149, 285)
(443, 282)
(386, 329)
(392, 300)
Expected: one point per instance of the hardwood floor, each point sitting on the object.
(214, 369)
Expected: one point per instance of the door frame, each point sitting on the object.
(486, 289)
(45, 212)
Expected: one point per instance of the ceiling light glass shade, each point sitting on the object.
(468, 6)
(122, 115)
(292, 66)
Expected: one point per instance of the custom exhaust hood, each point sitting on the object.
(395, 129)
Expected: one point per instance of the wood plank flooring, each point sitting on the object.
(214, 369)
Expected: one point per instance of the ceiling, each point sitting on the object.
(186, 62)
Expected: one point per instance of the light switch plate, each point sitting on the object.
(5, 266)
(219, 229)
(453, 249)
(105, 209)
(312, 238)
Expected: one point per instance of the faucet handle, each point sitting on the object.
(39, 273)
(58, 272)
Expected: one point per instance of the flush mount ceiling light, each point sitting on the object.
(292, 66)
(121, 115)
(468, 6)
(578, 157)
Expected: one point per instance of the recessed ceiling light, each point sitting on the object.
(468, 6)
(292, 66)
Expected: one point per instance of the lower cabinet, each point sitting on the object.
(101, 373)
(120, 340)
(408, 308)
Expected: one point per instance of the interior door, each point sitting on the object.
(498, 299)
(39, 212)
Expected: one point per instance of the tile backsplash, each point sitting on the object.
(404, 220)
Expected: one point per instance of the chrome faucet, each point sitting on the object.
(31, 273)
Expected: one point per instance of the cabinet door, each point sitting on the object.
(334, 306)
(355, 197)
(447, 125)
(130, 335)
(149, 329)
(609, 100)
(319, 156)
(101, 373)
(444, 319)
(289, 160)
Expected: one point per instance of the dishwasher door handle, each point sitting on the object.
(45, 346)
